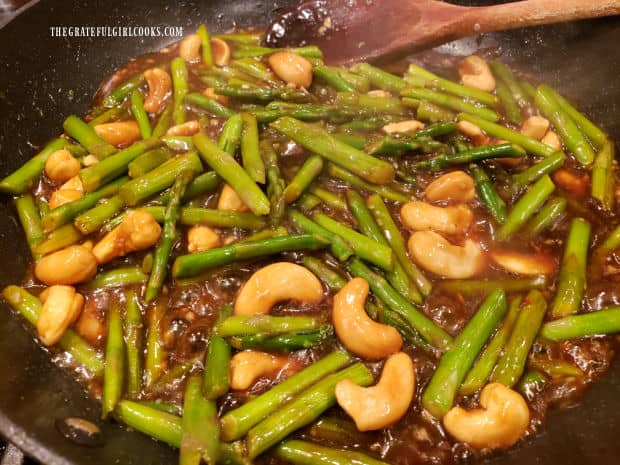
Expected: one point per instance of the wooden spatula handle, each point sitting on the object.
(537, 12)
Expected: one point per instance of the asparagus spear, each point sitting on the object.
(319, 141)
(114, 371)
(339, 248)
(164, 247)
(600, 254)
(484, 152)
(139, 113)
(504, 73)
(326, 274)
(218, 218)
(65, 213)
(250, 152)
(58, 239)
(30, 220)
(303, 409)
(439, 394)
(191, 265)
(392, 234)
(113, 114)
(428, 79)
(138, 190)
(155, 360)
(358, 142)
(164, 122)
(429, 331)
(509, 103)
(226, 166)
(30, 308)
(237, 422)
(368, 249)
(526, 206)
(531, 383)
(564, 125)
(348, 177)
(482, 369)
(530, 145)
(119, 94)
(380, 78)
(205, 45)
(178, 70)
(487, 193)
(606, 321)
(536, 171)
(163, 426)
(201, 429)
(210, 105)
(231, 134)
(275, 183)
(265, 324)
(287, 342)
(572, 279)
(485, 286)
(118, 277)
(511, 364)
(450, 101)
(86, 136)
(548, 215)
(133, 343)
(603, 176)
(397, 277)
(306, 453)
(311, 168)
(148, 161)
(427, 111)
(24, 177)
(331, 76)
(92, 220)
(115, 165)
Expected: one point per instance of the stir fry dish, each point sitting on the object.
(255, 257)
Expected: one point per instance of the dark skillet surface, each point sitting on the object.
(44, 79)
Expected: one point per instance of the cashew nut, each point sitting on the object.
(455, 186)
(552, 140)
(249, 365)
(88, 325)
(472, 131)
(357, 332)
(189, 49)
(61, 307)
(571, 182)
(62, 196)
(230, 200)
(378, 93)
(119, 133)
(210, 92)
(137, 231)
(201, 238)
(159, 83)
(522, 263)
(90, 160)
(71, 265)
(384, 403)
(475, 72)
(435, 254)
(402, 127)
(61, 166)
(275, 283)
(421, 216)
(502, 419)
(189, 128)
(291, 68)
(535, 127)
(220, 52)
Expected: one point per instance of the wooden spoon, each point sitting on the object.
(360, 30)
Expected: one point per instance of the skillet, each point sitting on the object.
(43, 79)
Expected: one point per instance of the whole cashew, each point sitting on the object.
(71, 265)
(63, 196)
(403, 127)
(472, 131)
(247, 366)
(356, 330)
(189, 128)
(457, 186)
(119, 133)
(535, 127)
(230, 200)
(523, 263)
(571, 181)
(88, 325)
(159, 83)
(386, 402)
(275, 283)
(61, 166)
(137, 231)
(189, 49)
(476, 73)
(291, 68)
(61, 307)
(435, 254)
(220, 51)
(422, 216)
(201, 238)
(552, 140)
(502, 419)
